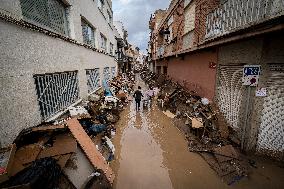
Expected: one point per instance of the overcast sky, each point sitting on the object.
(135, 15)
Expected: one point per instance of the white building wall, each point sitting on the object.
(120, 28)
(25, 53)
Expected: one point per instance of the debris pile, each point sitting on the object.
(204, 126)
(72, 151)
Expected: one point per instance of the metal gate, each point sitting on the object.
(56, 91)
(271, 131)
(93, 79)
(230, 92)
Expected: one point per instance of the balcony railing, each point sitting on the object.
(240, 14)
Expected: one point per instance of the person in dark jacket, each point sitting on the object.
(138, 96)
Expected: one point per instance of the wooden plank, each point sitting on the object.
(95, 157)
(62, 160)
(63, 144)
(28, 154)
(48, 127)
(225, 153)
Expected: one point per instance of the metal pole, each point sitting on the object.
(246, 118)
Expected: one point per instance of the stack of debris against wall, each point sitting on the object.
(72, 151)
(204, 126)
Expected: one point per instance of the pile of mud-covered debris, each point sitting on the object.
(204, 126)
(72, 151)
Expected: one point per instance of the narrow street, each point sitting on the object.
(72, 72)
(152, 153)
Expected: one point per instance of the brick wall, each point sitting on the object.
(178, 26)
(203, 7)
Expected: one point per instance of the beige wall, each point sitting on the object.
(24, 53)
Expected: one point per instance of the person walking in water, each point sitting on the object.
(138, 96)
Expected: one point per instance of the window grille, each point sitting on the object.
(93, 79)
(48, 13)
(56, 92)
(112, 72)
(106, 74)
(88, 33)
(103, 42)
(109, 17)
(111, 48)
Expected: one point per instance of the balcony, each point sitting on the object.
(235, 15)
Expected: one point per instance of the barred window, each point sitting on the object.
(88, 33)
(103, 42)
(109, 17)
(113, 72)
(111, 48)
(106, 74)
(46, 13)
(56, 92)
(93, 79)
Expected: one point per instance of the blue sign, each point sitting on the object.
(252, 70)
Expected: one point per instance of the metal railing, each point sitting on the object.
(93, 79)
(56, 91)
(234, 15)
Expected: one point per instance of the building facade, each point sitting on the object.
(121, 47)
(206, 45)
(174, 34)
(53, 54)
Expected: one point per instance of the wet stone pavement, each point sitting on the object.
(151, 153)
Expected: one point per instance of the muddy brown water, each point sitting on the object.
(151, 153)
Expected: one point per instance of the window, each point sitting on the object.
(101, 4)
(106, 74)
(56, 91)
(88, 33)
(111, 48)
(113, 72)
(170, 28)
(103, 42)
(171, 20)
(46, 13)
(93, 79)
(109, 17)
(158, 69)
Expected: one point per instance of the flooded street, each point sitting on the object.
(152, 153)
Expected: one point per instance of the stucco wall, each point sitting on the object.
(194, 69)
(24, 53)
(89, 10)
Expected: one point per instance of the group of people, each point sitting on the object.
(147, 97)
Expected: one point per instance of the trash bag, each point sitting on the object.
(43, 173)
(96, 129)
